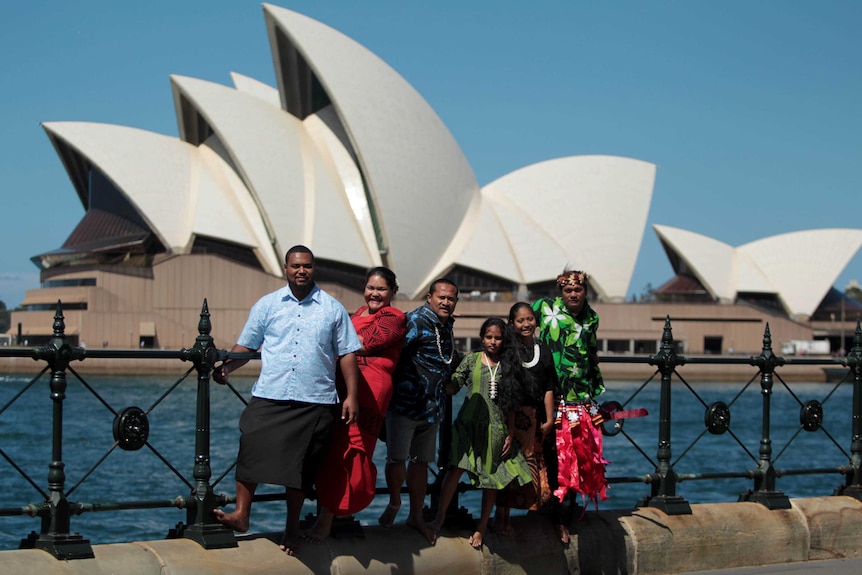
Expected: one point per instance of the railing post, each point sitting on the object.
(456, 516)
(444, 446)
(764, 479)
(663, 495)
(55, 536)
(853, 477)
(202, 525)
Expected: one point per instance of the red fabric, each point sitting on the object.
(579, 452)
(348, 478)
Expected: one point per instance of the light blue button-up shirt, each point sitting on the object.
(299, 343)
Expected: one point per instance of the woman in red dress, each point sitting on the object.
(347, 481)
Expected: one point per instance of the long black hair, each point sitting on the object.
(531, 389)
(513, 376)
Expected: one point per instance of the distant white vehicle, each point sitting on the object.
(806, 347)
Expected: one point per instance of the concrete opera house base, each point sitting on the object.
(637, 542)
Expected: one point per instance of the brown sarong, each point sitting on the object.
(537, 493)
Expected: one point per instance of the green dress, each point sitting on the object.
(479, 431)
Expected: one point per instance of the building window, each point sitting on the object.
(618, 345)
(646, 346)
(547, 288)
(69, 282)
(53, 306)
(481, 285)
(40, 340)
(712, 344)
(228, 250)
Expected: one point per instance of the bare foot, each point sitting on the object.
(235, 521)
(476, 540)
(434, 529)
(290, 543)
(387, 518)
(320, 530)
(502, 527)
(419, 525)
(563, 533)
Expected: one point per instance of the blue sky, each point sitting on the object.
(751, 110)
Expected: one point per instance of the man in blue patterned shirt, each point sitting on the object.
(303, 334)
(427, 361)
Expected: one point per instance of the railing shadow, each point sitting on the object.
(131, 432)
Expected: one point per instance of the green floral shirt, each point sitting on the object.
(573, 343)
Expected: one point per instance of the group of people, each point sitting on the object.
(331, 383)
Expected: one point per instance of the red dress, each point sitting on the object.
(347, 480)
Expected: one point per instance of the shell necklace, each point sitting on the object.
(535, 360)
(440, 348)
(492, 385)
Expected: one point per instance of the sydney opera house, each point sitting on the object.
(343, 155)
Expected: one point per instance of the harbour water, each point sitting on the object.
(25, 438)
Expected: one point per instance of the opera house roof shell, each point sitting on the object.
(798, 267)
(343, 155)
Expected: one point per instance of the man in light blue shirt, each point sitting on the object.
(303, 334)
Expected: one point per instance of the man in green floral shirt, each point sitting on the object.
(568, 325)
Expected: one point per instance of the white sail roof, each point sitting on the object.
(167, 181)
(288, 176)
(803, 265)
(256, 88)
(798, 267)
(567, 212)
(711, 261)
(419, 183)
(347, 158)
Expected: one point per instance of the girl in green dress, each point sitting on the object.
(482, 433)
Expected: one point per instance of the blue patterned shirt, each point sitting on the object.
(419, 381)
(301, 342)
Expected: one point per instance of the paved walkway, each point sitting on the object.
(830, 567)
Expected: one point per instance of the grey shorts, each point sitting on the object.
(409, 438)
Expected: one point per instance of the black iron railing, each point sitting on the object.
(131, 432)
(664, 479)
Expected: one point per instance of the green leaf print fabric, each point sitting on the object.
(573, 343)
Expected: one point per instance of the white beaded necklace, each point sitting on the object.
(535, 360)
(440, 348)
(492, 385)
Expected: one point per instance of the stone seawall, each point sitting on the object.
(643, 541)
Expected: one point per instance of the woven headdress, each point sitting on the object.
(572, 277)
